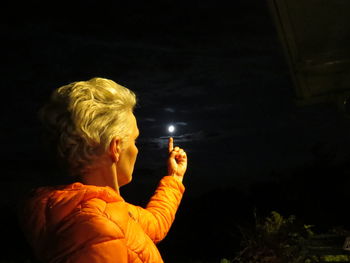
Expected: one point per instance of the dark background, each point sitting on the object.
(216, 71)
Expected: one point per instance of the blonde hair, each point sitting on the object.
(83, 117)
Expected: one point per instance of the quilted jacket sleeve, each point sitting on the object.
(159, 214)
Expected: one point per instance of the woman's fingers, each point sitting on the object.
(177, 162)
(176, 152)
(173, 154)
(170, 144)
(179, 151)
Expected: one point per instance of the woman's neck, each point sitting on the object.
(102, 175)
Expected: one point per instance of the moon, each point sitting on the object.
(171, 128)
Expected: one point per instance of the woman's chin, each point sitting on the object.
(125, 182)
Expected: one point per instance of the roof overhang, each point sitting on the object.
(316, 38)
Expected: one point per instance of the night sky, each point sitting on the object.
(218, 73)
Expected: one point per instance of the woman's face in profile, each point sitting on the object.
(127, 157)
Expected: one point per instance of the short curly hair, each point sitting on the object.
(81, 119)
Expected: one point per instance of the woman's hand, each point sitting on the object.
(177, 162)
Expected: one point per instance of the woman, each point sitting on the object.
(93, 127)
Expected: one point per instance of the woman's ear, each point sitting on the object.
(115, 149)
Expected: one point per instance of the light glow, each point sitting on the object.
(171, 128)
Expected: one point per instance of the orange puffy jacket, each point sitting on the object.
(89, 224)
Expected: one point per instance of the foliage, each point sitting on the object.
(274, 239)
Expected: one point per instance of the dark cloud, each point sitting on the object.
(162, 142)
(168, 109)
(149, 120)
(181, 123)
